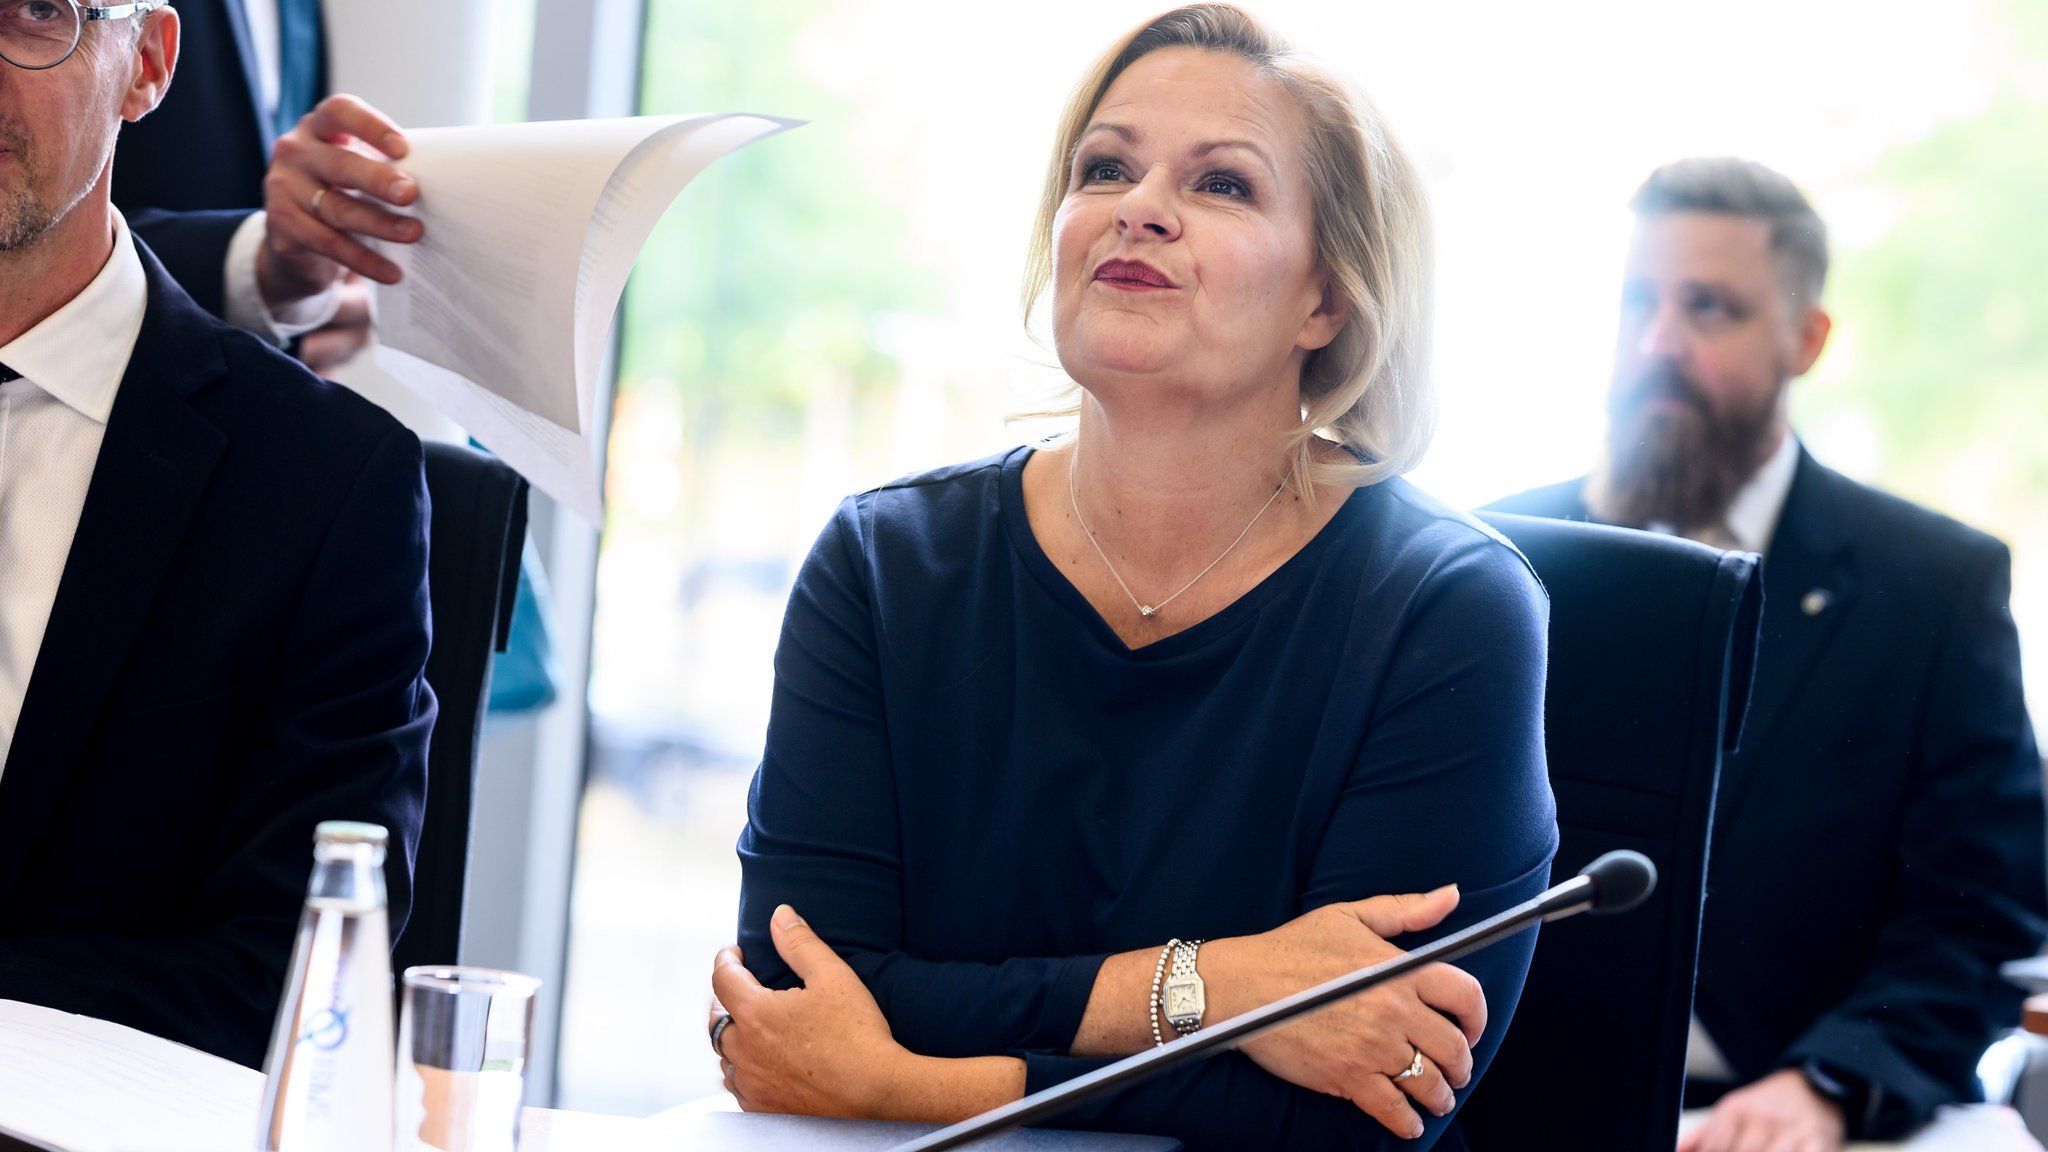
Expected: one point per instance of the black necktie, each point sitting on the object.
(7, 374)
(298, 60)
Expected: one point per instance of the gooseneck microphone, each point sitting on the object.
(1615, 882)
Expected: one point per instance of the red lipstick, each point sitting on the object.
(1132, 274)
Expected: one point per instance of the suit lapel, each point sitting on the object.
(1809, 585)
(152, 470)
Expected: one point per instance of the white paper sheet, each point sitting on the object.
(77, 1084)
(503, 317)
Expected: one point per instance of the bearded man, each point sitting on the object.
(213, 602)
(1878, 842)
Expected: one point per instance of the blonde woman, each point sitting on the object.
(1207, 671)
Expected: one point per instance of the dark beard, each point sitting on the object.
(1680, 467)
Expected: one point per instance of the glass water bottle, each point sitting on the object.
(328, 1085)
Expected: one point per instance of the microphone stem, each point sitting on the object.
(1566, 899)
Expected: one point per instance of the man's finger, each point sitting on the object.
(344, 168)
(350, 253)
(1750, 1134)
(346, 213)
(1390, 916)
(354, 309)
(1718, 1133)
(1788, 1140)
(341, 116)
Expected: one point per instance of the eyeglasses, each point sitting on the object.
(39, 34)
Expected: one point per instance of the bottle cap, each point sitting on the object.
(350, 832)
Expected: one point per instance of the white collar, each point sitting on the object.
(80, 352)
(1753, 514)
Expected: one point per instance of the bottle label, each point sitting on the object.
(335, 1090)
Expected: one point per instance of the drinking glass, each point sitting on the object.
(464, 1037)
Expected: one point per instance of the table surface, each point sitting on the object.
(1977, 1128)
(1974, 1128)
(699, 1129)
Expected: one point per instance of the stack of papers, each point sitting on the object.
(74, 1084)
(504, 315)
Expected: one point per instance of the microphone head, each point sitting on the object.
(1621, 880)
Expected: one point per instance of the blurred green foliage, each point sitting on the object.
(762, 284)
(1945, 318)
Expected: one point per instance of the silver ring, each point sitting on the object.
(718, 1028)
(319, 194)
(1413, 1070)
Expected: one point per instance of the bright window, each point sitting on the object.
(837, 306)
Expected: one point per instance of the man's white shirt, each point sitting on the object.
(51, 423)
(1753, 514)
(267, 41)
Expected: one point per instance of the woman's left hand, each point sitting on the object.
(821, 1050)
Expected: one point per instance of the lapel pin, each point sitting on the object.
(1815, 602)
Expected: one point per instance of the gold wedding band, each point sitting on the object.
(1413, 1070)
(319, 194)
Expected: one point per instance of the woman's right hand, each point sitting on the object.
(1356, 1047)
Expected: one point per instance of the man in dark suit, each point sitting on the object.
(1878, 843)
(213, 605)
(251, 69)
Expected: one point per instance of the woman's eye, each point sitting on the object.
(1100, 171)
(1225, 186)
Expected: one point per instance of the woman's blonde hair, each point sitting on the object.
(1369, 389)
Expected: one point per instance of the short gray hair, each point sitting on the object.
(1730, 186)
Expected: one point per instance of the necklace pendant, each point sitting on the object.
(1146, 610)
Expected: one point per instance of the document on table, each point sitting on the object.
(503, 317)
(75, 1084)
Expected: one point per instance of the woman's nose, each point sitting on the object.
(1150, 207)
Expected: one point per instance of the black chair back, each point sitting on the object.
(473, 547)
(1652, 645)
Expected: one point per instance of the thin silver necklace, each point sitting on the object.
(1150, 610)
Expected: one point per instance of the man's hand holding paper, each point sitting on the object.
(327, 184)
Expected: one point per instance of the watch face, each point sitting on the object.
(1184, 999)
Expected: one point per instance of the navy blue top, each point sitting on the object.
(975, 791)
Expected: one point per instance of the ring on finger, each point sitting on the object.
(718, 1028)
(1413, 1070)
(320, 194)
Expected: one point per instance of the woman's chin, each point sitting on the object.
(1110, 360)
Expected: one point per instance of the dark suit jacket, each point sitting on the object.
(1878, 842)
(235, 653)
(208, 143)
(194, 249)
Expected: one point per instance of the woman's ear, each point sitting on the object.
(1331, 314)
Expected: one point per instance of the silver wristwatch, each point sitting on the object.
(1183, 1000)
